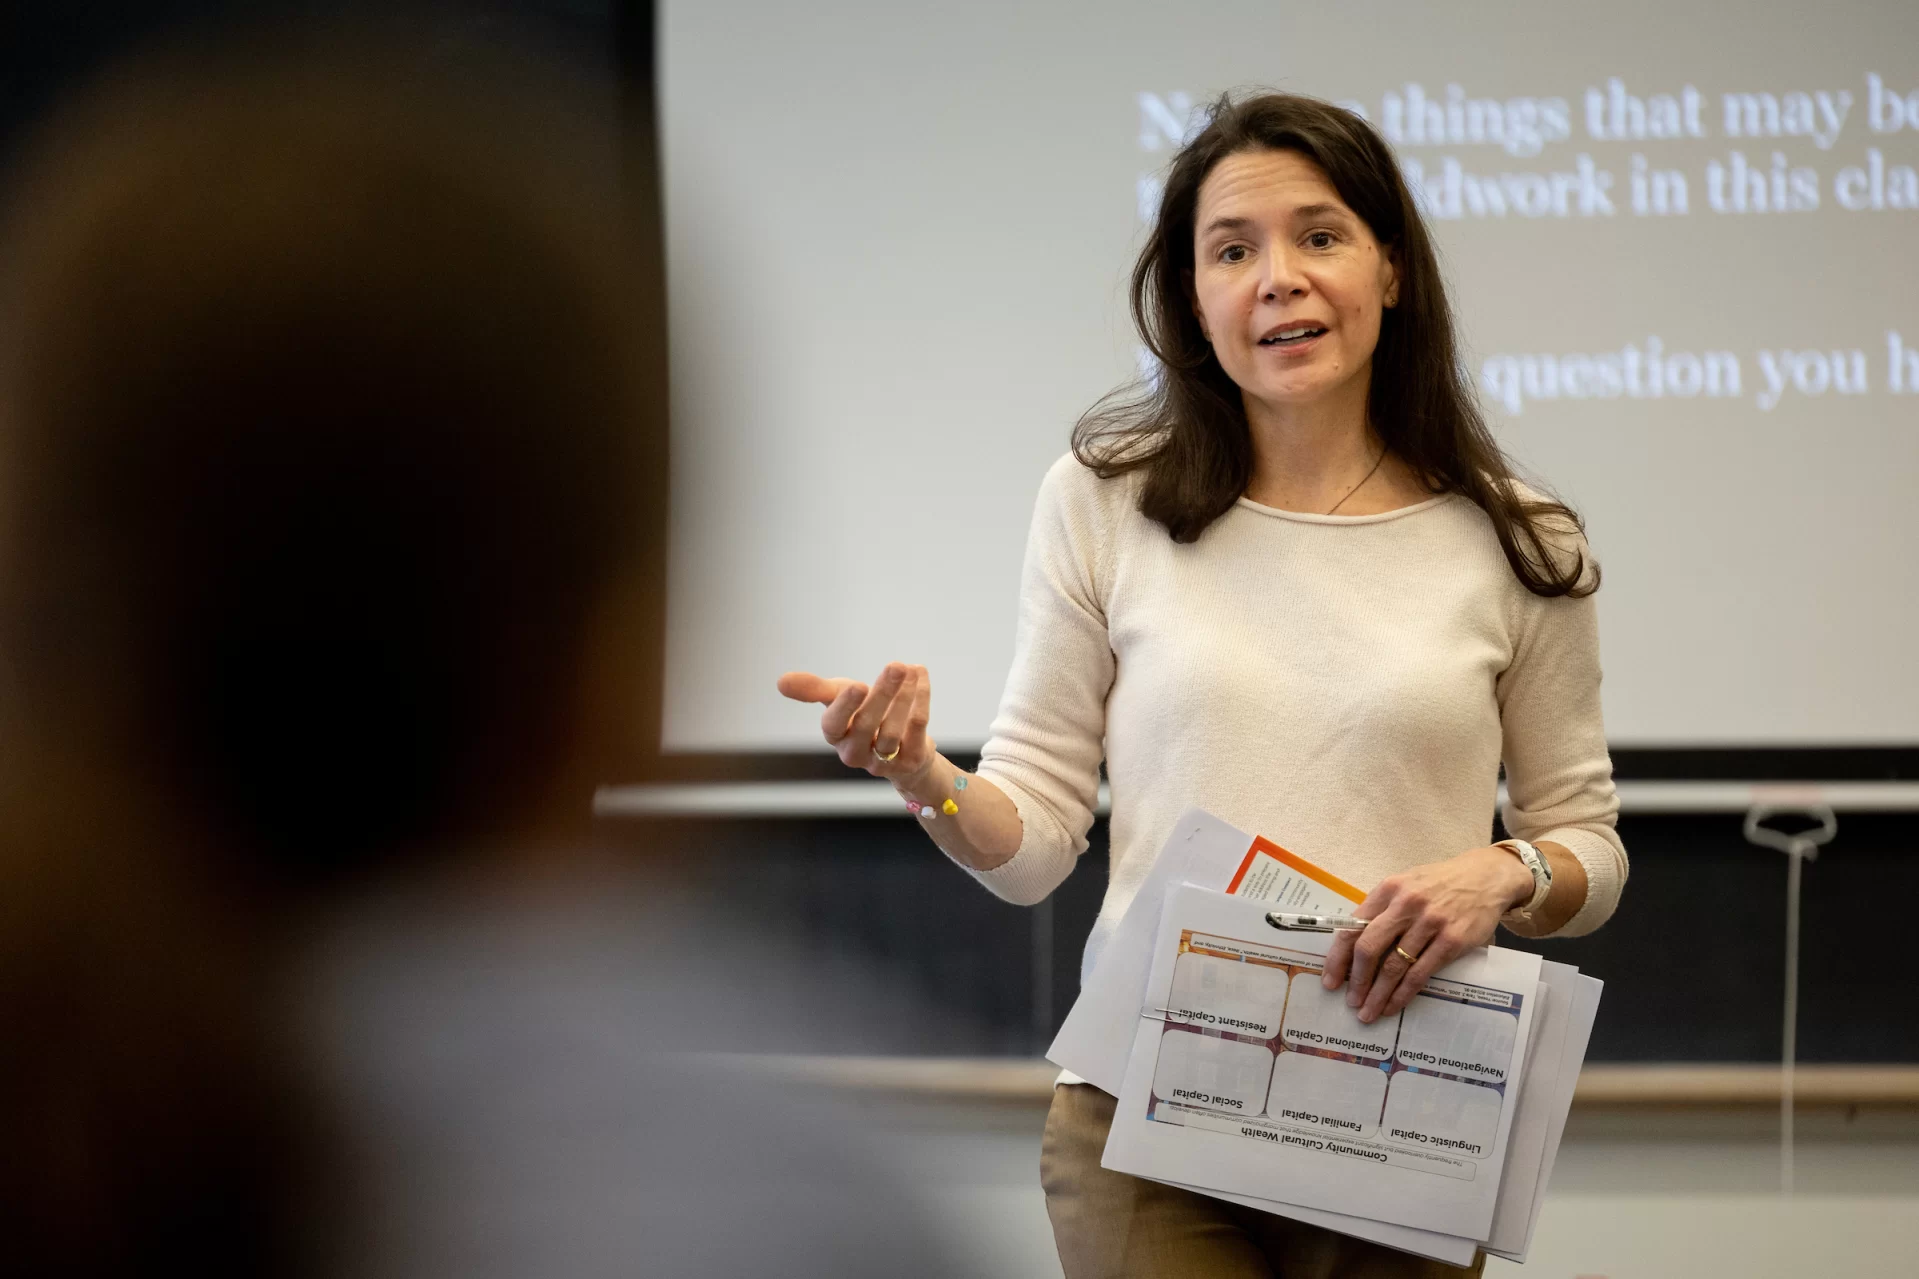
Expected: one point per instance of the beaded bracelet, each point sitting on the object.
(928, 812)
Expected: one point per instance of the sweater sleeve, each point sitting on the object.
(1049, 735)
(1558, 773)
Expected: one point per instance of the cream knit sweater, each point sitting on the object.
(1345, 685)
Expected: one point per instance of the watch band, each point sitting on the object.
(1541, 870)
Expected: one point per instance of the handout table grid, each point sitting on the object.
(1254, 1045)
(1232, 1002)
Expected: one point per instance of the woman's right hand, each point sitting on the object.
(866, 724)
(863, 723)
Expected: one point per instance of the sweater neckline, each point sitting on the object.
(1381, 517)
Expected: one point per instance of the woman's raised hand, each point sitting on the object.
(880, 728)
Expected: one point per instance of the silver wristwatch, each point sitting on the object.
(1542, 873)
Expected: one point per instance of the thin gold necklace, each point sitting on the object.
(1362, 483)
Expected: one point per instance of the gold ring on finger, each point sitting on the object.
(1401, 952)
(886, 759)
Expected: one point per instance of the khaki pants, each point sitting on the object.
(1112, 1226)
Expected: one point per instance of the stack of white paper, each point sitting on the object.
(1239, 1076)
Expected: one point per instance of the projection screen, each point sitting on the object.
(1680, 239)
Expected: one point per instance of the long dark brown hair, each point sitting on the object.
(1186, 428)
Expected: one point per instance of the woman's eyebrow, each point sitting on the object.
(1304, 213)
(1226, 224)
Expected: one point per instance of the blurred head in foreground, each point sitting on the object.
(323, 439)
(330, 478)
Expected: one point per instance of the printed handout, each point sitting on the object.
(1247, 1076)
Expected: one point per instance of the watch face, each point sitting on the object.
(1535, 861)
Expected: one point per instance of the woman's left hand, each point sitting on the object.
(1433, 913)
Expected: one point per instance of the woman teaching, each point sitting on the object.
(1295, 582)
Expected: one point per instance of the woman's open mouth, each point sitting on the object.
(1293, 336)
